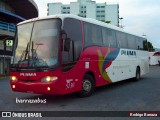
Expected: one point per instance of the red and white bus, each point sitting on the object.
(62, 54)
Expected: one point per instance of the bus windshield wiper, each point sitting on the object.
(24, 57)
(34, 57)
(31, 60)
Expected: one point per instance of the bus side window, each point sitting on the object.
(137, 43)
(122, 40)
(72, 28)
(99, 35)
(119, 40)
(131, 42)
(93, 34)
(140, 43)
(111, 36)
(96, 35)
(87, 34)
(105, 40)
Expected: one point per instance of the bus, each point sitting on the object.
(62, 54)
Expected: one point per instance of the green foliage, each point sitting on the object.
(79, 15)
(108, 22)
(148, 46)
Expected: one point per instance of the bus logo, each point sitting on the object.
(28, 74)
(128, 52)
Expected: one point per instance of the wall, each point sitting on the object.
(54, 8)
(91, 10)
(74, 8)
(112, 13)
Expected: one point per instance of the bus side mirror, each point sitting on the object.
(67, 44)
(64, 35)
(66, 41)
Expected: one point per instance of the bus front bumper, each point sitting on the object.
(38, 88)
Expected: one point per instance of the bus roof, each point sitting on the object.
(89, 20)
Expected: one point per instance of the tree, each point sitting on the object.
(108, 22)
(148, 46)
(79, 15)
(145, 46)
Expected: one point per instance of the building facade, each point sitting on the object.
(89, 9)
(11, 13)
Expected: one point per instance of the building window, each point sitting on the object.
(98, 6)
(64, 7)
(68, 7)
(102, 6)
(8, 48)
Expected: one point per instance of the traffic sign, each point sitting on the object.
(9, 43)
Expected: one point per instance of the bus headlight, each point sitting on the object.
(13, 78)
(49, 79)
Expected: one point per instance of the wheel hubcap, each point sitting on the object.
(86, 85)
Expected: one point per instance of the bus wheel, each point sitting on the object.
(88, 86)
(138, 74)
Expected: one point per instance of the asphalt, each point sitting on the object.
(143, 95)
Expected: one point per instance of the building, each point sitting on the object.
(12, 12)
(87, 8)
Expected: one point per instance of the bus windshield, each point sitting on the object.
(37, 44)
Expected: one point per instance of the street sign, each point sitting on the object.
(9, 43)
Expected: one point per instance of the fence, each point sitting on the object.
(7, 26)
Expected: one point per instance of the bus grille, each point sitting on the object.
(27, 81)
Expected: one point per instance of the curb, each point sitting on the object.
(2, 77)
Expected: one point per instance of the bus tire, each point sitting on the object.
(138, 74)
(88, 86)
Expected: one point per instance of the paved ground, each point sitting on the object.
(143, 95)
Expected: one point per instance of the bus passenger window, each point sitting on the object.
(111, 38)
(140, 43)
(87, 34)
(131, 42)
(99, 35)
(105, 40)
(121, 39)
(94, 35)
(72, 27)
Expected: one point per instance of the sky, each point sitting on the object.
(141, 17)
